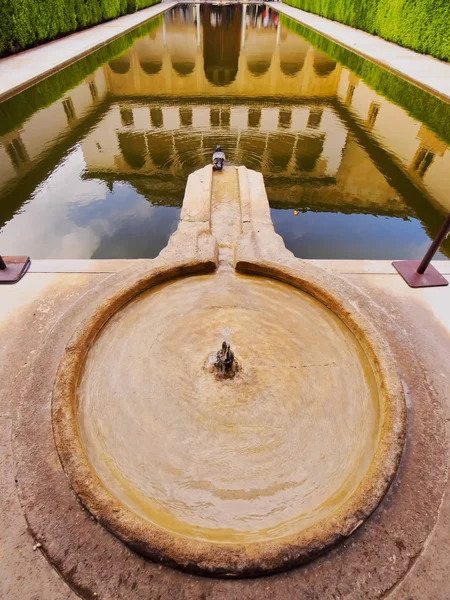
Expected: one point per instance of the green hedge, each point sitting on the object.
(421, 105)
(422, 25)
(26, 23)
(16, 110)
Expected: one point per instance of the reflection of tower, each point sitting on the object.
(221, 42)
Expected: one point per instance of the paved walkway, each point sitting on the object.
(22, 70)
(424, 71)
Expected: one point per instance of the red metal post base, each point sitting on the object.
(16, 267)
(408, 270)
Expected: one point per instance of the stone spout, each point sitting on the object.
(226, 365)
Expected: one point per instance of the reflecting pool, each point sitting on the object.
(94, 160)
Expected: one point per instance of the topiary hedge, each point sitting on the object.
(422, 25)
(26, 23)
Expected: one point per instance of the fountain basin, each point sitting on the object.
(236, 477)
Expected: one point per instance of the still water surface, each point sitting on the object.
(100, 171)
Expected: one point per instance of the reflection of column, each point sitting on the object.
(278, 33)
(164, 32)
(334, 142)
(244, 25)
(199, 39)
(17, 152)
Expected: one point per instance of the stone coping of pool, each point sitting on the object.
(259, 251)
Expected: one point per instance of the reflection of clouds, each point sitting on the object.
(69, 217)
(326, 235)
(43, 229)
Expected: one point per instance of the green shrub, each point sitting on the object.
(25, 23)
(19, 108)
(422, 25)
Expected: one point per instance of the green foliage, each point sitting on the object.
(424, 107)
(25, 23)
(422, 25)
(16, 110)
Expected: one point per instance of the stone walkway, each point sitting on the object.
(22, 70)
(428, 73)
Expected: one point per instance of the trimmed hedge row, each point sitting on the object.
(16, 110)
(26, 23)
(422, 25)
(421, 105)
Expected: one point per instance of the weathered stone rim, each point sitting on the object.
(209, 558)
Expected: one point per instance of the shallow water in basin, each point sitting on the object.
(267, 454)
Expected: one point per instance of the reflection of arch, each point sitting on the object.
(323, 64)
(149, 52)
(132, 146)
(182, 47)
(183, 68)
(160, 148)
(189, 149)
(151, 67)
(251, 147)
(307, 152)
(258, 67)
(279, 149)
(259, 48)
(220, 76)
(120, 65)
(293, 51)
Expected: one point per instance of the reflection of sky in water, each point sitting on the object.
(85, 219)
(327, 235)
(101, 172)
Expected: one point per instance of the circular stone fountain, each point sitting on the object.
(228, 476)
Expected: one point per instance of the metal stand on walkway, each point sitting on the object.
(422, 274)
(13, 268)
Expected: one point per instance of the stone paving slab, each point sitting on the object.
(22, 70)
(426, 72)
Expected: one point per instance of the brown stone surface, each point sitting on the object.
(400, 552)
(373, 560)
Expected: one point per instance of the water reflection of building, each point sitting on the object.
(184, 59)
(424, 157)
(162, 138)
(23, 149)
(160, 108)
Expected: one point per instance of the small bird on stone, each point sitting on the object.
(218, 159)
